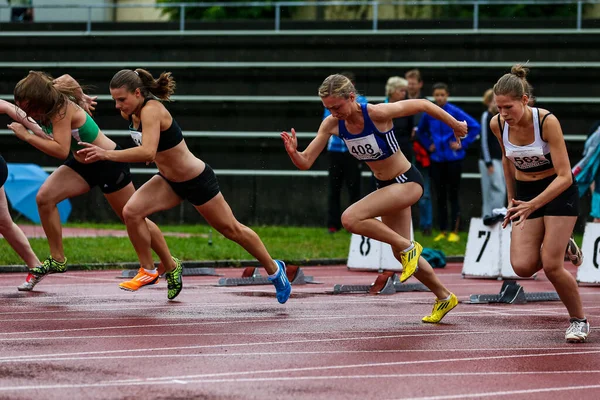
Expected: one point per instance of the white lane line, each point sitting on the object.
(206, 315)
(259, 333)
(508, 393)
(238, 345)
(237, 355)
(190, 378)
(227, 320)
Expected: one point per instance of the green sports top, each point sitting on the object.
(88, 132)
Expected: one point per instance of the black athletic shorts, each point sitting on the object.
(110, 176)
(412, 175)
(565, 204)
(198, 190)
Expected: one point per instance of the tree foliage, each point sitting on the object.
(441, 11)
(221, 13)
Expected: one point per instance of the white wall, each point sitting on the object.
(70, 14)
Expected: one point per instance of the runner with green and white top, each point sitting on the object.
(62, 114)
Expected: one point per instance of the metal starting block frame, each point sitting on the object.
(513, 293)
(252, 276)
(130, 273)
(387, 282)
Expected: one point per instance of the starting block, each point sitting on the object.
(252, 276)
(130, 273)
(513, 293)
(387, 282)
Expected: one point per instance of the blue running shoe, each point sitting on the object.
(282, 284)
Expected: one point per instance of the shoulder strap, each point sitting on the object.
(542, 125)
(500, 126)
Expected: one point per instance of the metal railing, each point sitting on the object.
(278, 5)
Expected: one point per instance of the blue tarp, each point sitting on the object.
(21, 187)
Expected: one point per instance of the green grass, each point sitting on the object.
(288, 243)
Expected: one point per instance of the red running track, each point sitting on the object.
(80, 337)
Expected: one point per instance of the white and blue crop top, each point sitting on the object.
(533, 157)
(370, 144)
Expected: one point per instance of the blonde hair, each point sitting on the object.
(488, 97)
(394, 83)
(336, 85)
(514, 84)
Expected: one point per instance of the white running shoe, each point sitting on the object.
(30, 282)
(578, 331)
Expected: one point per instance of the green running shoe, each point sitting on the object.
(49, 266)
(174, 281)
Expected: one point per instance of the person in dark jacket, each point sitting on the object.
(447, 155)
(493, 186)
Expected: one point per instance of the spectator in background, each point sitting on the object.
(587, 170)
(415, 84)
(396, 89)
(343, 168)
(422, 162)
(493, 187)
(21, 10)
(447, 155)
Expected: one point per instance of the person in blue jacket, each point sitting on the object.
(447, 155)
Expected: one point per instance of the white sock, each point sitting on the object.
(447, 298)
(150, 271)
(276, 272)
(409, 248)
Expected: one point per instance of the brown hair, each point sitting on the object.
(161, 88)
(514, 84)
(440, 86)
(413, 73)
(36, 92)
(336, 85)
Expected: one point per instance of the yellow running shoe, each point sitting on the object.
(453, 237)
(142, 278)
(410, 261)
(441, 308)
(439, 237)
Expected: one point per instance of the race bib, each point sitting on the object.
(364, 148)
(530, 157)
(136, 136)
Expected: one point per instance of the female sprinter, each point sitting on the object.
(49, 102)
(368, 131)
(543, 199)
(181, 176)
(9, 230)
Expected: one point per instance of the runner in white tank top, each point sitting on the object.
(543, 200)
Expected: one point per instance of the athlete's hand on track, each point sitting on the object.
(91, 152)
(290, 142)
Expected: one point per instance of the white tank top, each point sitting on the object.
(533, 157)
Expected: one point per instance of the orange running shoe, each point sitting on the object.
(142, 278)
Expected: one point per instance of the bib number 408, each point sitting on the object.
(362, 150)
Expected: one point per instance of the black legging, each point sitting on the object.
(446, 184)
